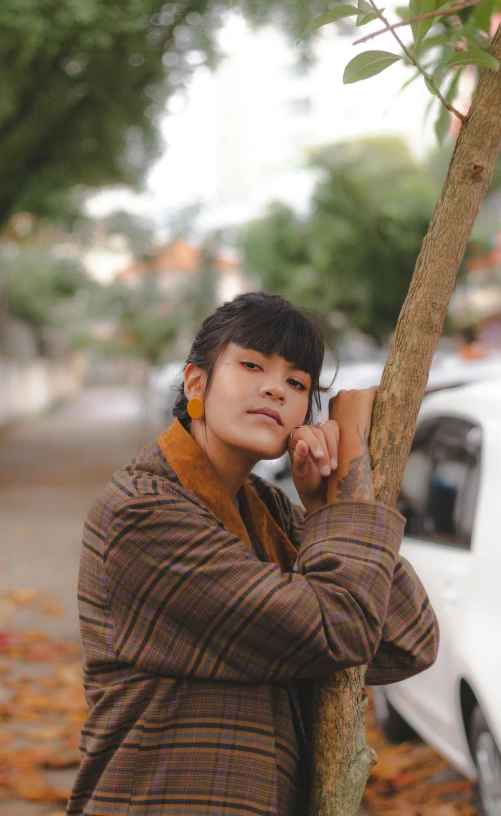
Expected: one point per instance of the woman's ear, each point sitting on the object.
(194, 381)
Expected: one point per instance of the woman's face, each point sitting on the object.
(255, 401)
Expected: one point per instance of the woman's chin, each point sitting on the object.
(264, 450)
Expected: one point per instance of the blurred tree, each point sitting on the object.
(149, 330)
(44, 292)
(138, 232)
(86, 82)
(182, 221)
(369, 187)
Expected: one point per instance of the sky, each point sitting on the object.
(186, 170)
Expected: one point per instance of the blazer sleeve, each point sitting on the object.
(187, 598)
(410, 635)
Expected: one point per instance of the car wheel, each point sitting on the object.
(488, 761)
(393, 724)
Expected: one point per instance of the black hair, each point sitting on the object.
(263, 322)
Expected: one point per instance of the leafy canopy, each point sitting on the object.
(86, 82)
(370, 188)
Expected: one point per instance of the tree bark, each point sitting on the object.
(341, 760)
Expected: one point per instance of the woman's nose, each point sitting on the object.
(274, 391)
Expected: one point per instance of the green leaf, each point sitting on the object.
(443, 119)
(444, 116)
(402, 12)
(431, 87)
(453, 87)
(428, 108)
(482, 15)
(435, 85)
(421, 27)
(368, 64)
(363, 19)
(442, 124)
(432, 42)
(366, 13)
(329, 17)
(474, 56)
(364, 7)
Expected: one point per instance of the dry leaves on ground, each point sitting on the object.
(42, 707)
(411, 779)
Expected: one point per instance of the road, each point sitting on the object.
(51, 469)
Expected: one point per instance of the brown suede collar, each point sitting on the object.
(197, 475)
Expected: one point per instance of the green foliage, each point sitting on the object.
(151, 330)
(451, 38)
(366, 13)
(138, 232)
(42, 291)
(84, 84)
(370, 188)
(331, 16)
(368, 64)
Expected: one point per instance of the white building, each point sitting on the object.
(240, 137)
(271, 110)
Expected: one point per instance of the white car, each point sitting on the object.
(448, 370)
(451, 497)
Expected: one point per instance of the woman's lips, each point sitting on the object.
(270, 420)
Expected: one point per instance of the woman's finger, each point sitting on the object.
(330, 430)
(317, 446)
(301, 459)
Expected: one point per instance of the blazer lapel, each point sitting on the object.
(196, 474)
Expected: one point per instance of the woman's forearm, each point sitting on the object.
(352, 479)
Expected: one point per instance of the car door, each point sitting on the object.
(438, 497)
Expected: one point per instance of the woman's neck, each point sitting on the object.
(231, 464)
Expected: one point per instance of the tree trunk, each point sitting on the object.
(341, 760)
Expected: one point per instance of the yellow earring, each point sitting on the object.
(195, 408)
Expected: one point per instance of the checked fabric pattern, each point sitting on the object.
(198, 655)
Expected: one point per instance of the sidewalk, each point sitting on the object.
(51, 469)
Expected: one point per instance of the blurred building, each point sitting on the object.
(272, 109)
(171, 265)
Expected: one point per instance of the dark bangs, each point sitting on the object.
(266, 323)
(275, 326)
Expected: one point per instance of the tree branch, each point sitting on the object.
(428, 16)
(340, 761)
(416, 64)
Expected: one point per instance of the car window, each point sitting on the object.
(440, 484)
(414, 490)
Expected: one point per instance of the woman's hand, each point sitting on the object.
(352, 410)
(313, 453)
(330, 461)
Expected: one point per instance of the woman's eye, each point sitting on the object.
(297, 384)
(248, 365)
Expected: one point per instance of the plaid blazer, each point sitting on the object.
(199, 652)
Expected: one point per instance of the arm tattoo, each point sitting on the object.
(357, 484)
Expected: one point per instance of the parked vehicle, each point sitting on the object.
(350, 375)
(450, 494)
(448, 371)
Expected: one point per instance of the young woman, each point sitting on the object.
(208, 601)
